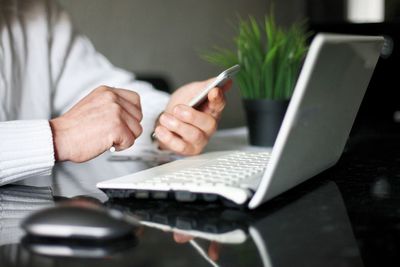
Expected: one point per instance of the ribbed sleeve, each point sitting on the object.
(26, 149)
(18, 202)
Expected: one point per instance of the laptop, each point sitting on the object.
(320, 115)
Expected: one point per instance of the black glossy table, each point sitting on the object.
(347, 216)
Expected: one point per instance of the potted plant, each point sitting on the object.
(270, 58)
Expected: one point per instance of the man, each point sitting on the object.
(46, 67)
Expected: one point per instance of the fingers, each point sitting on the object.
(170, 141)
(181, 238)
(227, 86)
(204, 121)
(215, 104)
(126, 130)
(124, 110)
(216, 100)
(123, 140)
(213, 251)
(130, 96)
(130, 108)
(188, 132)
(130, 101)
(132, 123)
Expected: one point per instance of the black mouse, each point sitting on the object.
(94, 223)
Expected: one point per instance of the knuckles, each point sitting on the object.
(180, 148)
(109, 96)
(139, 115)
(115, 109)
(197, 136)
(197, 150)
(139, 130)
(129, 141)
(102, 88)
(187, 115)
(136, 97)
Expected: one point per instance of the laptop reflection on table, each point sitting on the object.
(313, 229)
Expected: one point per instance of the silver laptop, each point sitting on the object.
(328, 93)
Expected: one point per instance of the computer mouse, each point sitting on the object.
(77, 222)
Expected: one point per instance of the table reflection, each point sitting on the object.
(308, 227)
(17, 202)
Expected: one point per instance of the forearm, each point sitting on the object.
(26, 150)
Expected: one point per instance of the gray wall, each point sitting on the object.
(166, 37)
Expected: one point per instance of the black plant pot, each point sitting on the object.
(264, 119)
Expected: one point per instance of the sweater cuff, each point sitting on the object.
(26, 150)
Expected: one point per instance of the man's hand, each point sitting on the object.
(106, 117)
(185, 130)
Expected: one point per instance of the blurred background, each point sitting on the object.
(154, 38)
(166, 38)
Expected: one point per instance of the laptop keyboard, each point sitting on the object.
(234, 177)
(240, 169)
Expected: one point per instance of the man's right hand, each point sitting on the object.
(106, 117)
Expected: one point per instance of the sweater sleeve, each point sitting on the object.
(26, 149)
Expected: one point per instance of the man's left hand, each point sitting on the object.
(186, 130)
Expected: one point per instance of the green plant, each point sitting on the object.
(270, 58)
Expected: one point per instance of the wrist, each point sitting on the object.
(59, 140)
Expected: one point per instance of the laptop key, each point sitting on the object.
(142, 194)
(185, 196)
(210, 197)
(159, 194)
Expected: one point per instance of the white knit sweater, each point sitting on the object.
(46, 67)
